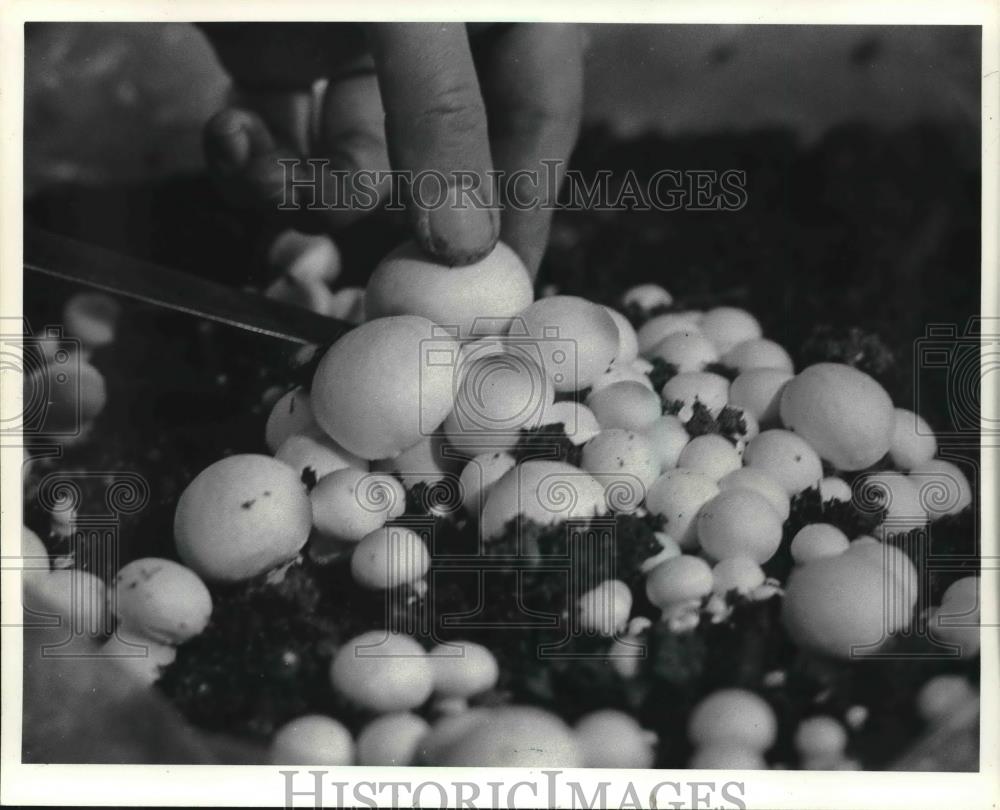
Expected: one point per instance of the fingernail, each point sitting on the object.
(461, 231)
(230, 146)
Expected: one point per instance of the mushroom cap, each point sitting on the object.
(623, 462)
(463, 669)
(653, 331)
(677, 580)
(240, 517)
(818, 540)
(389, 557)
(385, 385)
(758, 353)
(291, 414)
(478, 477)
(758, 391)
(668, 437)
(676, 496)
(712, 455)
(741, 574)
(498, 394)
(479, 299)
(913, 442)
(728, 326)
(787, 458)
(510, 737)
(383, 672)
(647, 296)
(612, 739)
(578, 421)
(161, 600)
(628, 404)
(392, 739)
(313, 739)
(348, 504)
(733, 717)
(576, 338)
(739, 523)
(628, 341)
(836, 606)
(845, 415)
(545, 492)
(686, 350)
(712, 390)
(759, 481)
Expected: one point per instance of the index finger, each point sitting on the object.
(435, 127)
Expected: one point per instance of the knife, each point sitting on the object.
(49, 254)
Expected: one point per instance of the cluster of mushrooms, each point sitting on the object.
(444, 371)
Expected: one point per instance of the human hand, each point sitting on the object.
(411, 97)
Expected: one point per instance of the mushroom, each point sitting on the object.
(820, 736)
(739, 523)
(647, 297)
(686, 350)
(712, 455)
(291, 414)
(577, 339)
(478, 477)
(679, 582)
(498, 394)
(349, 504)
(898, 495)
(687, 387)
(758, 353)
(505, 737)
(545, 492)
(77, 597)
(839, 607)
(392, 739)
(605, 609)
(843, 413)
(728, 326)
(653, 331)
(628, 404)
(616, 373)
(733, 717)
(240, 517)
(161, 600)
(314, 455)
(759, 481)
(758, 392)
(379, 415)
(623, 462)
(740, 574)
(668, 437)
(818, 540)
(676, 496)
(313, 739)
(462, 669)
(142, 657)
(612, 739)
(390, 557)
(481, 296)
(785, 457)
(382, 672)
(833, 488)
(913, 443)
(628, 341)
(578, 421)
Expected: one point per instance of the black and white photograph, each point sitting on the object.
(614, 401)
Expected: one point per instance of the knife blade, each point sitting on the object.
(49, 254)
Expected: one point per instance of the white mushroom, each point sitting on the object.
(240, 517)
(161, 600)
